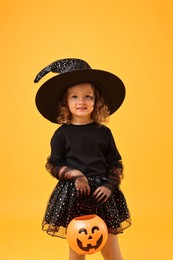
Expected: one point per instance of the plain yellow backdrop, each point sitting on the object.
(132, 39)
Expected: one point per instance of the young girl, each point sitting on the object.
(84, 157)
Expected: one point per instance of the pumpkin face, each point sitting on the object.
(87, 234)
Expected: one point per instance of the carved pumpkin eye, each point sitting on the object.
(83, 230)
(94, 229)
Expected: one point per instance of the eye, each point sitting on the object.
(83, 230)
(73, 97)
(94, 229)
(89, 97)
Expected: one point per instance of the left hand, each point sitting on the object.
(101, 194)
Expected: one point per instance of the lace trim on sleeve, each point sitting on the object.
(115, 176)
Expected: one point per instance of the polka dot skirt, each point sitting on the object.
(64, 205)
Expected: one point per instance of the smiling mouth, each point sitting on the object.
(81, 108)
(89, 246)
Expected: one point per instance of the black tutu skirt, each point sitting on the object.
(64, 205)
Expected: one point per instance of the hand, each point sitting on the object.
(82, 186)
(101, 194)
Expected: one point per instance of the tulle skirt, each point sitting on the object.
(64, 205)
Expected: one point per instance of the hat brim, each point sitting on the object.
(49, 94)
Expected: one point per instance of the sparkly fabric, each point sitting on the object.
(62, 66)
(64, 205)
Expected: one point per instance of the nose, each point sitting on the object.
(81, 100)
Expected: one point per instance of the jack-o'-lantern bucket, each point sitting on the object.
(87, 234)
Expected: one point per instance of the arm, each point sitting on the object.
(115, 166)
(114, 174)
(114, 177)
(63, 172)
(66, 173)
(57, 167)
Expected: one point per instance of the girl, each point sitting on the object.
(84, 157)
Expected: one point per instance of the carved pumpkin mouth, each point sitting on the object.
(89, 246)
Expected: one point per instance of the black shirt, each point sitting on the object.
(89, 148)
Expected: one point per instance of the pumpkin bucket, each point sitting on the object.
(87, 234)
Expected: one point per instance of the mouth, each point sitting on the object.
(89, 246)
(81, 108)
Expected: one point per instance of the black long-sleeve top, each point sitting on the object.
(89, 148)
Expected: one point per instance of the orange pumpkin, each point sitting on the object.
(87, 234)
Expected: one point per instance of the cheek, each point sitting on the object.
(91, 105)
(70, 106)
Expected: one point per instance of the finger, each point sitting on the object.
(82, 192)
(106, 198)
(99, 196)
(88, 190)
(96, 192)
(78, 192)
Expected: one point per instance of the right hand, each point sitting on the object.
(82, 186)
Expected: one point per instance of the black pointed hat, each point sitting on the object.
(72, 72)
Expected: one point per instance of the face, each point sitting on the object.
(80, 101)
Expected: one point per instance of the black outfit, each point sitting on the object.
(90, 149)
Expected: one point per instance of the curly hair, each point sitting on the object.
(100, 113)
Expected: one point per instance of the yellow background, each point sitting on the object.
(133, 39)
